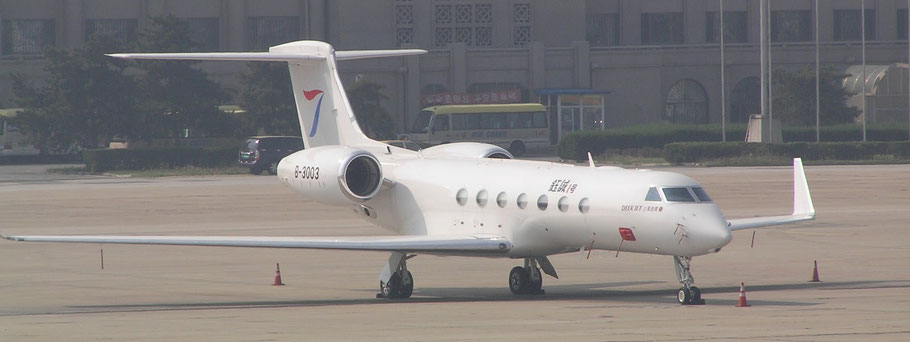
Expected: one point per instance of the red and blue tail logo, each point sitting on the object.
(310, 95)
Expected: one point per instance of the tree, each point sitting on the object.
(268, 98)
(374, 120)
(86, 99)
(179, 96)
(794, 97)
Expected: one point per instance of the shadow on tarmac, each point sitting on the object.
(586, 292)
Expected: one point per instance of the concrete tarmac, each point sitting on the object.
(52, 292)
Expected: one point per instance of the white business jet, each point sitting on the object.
(469, 199)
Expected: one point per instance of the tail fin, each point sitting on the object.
(323, 109)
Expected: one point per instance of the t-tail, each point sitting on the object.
(325, 114)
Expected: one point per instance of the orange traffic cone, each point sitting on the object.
(277, 276)
(742, 296)
(815, 273)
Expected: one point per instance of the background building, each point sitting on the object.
(596, 63)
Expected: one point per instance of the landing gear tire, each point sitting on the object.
(517, 148)
(519, 280)
(684, 296)
(400, 285)
(273, 168)
(696, 294)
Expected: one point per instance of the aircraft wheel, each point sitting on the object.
(696, 294)
(407, 285)
(535, 286)
(273, 168)
(392, 288)
(519, 280)
(684, 296)
(517, 148)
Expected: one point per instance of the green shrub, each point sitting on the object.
(102, 160)
(686, 152)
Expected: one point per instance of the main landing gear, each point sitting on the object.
(395, 281)
(688, 294)
(526, 280)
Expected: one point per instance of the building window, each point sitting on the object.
(661, 28)
(603, 29)
(465, 22)
(205, 33)
(902, 23)
(687, 103)
(264, 32)
(521, 18)
(27, 37)
(121, 30)
(404, 22)
(735, 27)
(848, 25)
(791, 26)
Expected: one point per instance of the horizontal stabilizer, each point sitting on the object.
(221, 56)
(803, 209)
(361, 54)
(413, 243)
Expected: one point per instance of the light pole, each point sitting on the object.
(818, 99)
(863, 33)
(723, 88)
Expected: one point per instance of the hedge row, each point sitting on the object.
(692, 152)
(576, 145)
(41, 159)
(102, 160)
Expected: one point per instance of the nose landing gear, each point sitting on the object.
(688, 294)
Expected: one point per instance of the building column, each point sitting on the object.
(71, 29)
(411, 105)
(582, 64)
(537, 68)
(233, 25)
(458, 67)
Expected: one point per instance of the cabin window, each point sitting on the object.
(522, 201)
(461, 197)
(678, 195)
(502, 200)
(701, 194)
(584, 205)
(542, 202)
(482, 198)
(563, 204)
(653, 195)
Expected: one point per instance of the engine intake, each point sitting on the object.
(333, 174)
(362, 176)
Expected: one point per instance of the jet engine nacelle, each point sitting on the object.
(467, 150)
(332, 174)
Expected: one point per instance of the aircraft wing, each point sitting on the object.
(408, 243)
(803, 209)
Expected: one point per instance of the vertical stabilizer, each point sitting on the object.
(325, 114)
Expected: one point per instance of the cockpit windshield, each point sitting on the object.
(678, 195)
(701, 194)
(653, 195)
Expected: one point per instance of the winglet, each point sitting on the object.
(802, 199)
(590, 160)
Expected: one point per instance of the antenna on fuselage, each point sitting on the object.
(590, 160)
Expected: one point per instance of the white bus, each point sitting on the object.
(518, 127)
